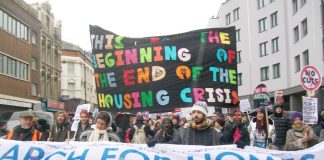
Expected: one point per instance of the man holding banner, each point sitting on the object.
(199, 130)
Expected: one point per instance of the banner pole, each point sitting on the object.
(267, 123)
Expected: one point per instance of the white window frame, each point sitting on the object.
(304, 27)
(262, 25)
(296, 34)
(306, 57)
(264, 73)
(275, 44)
(276, 70)
(263, 49)
(274, 19)
(228, 19)
(297, 63)
(236, 14)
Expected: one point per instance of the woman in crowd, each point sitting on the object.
(300, 136)
(259, 131)
(102, 131)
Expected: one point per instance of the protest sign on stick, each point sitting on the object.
(310, 115)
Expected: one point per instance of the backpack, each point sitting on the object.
(139, 136)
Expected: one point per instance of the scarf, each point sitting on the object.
(206, 123)
(98, 135)
(298, 129)
(236, 135)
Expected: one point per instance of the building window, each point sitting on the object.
(263, 49)
(305, 58)
(296, 34)
(262, 24)
(239, 79)
(275, 45)
(13, 26)
(43, 48)
(71, 68)
(302, 3)
(34, 38)
(13, 67)
(276, 70)
(228, 19)
(49, 52)
(33, 90)
(236, 14)
(1, 18)
(274, 21)
(261, 4)
(71, 87)
(238, 57)
(297, 63)
(295, 6)
(304, 27)
(264, 73)
(237, 35)
(34, 63)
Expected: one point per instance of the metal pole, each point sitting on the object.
(85, 80)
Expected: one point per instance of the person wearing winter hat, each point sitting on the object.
(235, 131)
(102, 130)
(300, 136)
(282, 125)
(199, 130)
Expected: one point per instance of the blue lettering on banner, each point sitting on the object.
(105, 155)
(13, 149)
(58, 152)
(31, 155)
(308, 157)
(156, 157)
(124, 154)
(82, 157)
(220, 156)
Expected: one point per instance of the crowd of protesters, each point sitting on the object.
(277, 132)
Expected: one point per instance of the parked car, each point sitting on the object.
(12, 118)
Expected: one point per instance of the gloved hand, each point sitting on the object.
(151, 143)
(240, 144)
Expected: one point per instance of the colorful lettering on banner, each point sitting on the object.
(109, 150)
(165, 72)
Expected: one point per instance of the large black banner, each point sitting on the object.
(165, 72)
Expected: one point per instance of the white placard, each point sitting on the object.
(310, 115)
(224, 110)
(245, 105)
(76, 117)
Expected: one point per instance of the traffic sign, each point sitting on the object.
(310, 78)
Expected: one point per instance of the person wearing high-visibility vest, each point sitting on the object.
(25, 131)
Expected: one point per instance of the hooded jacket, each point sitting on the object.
(282, 124)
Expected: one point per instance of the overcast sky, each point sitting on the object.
(131, 18)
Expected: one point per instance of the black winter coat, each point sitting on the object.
(282, 124)
(229, 130)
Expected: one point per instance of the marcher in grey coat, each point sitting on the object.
(300, 136)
